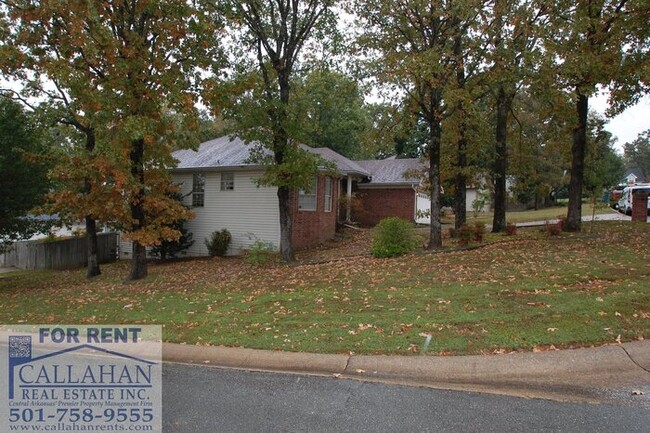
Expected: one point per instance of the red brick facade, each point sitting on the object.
(381, 203)
(640, 207)
(313, 227)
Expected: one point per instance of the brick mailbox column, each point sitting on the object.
(640, 207)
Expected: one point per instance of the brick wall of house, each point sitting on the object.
(378, 204)
(640, 207)
(312, 228)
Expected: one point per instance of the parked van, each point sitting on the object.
(625, 203)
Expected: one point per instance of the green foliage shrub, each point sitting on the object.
(393, 237)
(260, 253)
(218, 242)
(170, 249)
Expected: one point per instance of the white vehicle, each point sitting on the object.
(625, 203)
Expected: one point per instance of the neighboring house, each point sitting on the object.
(478, 198)
(633, 176)
(391, 190)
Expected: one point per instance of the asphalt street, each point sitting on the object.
(203, 399)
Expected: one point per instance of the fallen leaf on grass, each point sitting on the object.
(618, 339)
(551, 329)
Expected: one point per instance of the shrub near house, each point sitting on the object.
(394, 237)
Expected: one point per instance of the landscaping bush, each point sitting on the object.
(393, 237)
(479, 231)
(260, 253)
(171, 249)
(471, 233)
(465, 234)
(511, 229)
(554, 229)
(218, 242)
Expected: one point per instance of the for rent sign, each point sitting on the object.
(80, 378)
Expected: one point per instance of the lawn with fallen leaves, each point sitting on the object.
(531, 291)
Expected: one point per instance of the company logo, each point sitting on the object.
(67, 376)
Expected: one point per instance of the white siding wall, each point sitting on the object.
(423, 204)
(472, 195)
(249, 212)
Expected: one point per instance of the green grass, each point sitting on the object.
(526, 292)
(550, 213)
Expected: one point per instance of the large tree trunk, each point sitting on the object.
(500, 162)
(460, 195)
(286, 241)
(574, 213)
(435, 232)
(138, 262)
(92, 269)
(139, 259)
(281, 142)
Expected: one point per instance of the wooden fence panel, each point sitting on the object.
(62, 254)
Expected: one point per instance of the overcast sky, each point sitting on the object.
(627, 125)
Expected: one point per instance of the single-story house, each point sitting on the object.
(220, 184)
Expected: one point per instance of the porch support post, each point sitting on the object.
(348, 210)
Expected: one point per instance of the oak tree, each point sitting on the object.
(127, 64)
(597, 43)
(411, 44)
(275, 32)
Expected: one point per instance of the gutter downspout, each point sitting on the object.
(415, 211)
(348, 210)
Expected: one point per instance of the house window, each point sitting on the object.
(307, 198)
(198, 190)
(227, 181)
(328, 194)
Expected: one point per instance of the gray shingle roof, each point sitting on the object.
(221, 152)
(229, 152)
(233, 152)
(637, 171)
(344, 165)
(393, 171)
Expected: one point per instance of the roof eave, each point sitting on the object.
(388, 185)
(218, 168)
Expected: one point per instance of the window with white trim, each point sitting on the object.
(227, 181)
(307, 197)
(328, 194)
(198, 190)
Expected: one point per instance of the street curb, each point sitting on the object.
(253, 359)
(574, 374)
